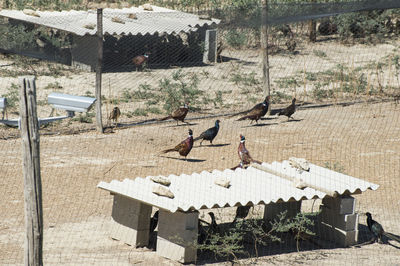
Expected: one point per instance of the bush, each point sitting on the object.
(236, 39)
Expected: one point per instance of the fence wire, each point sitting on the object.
(346, 82)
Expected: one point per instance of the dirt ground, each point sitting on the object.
(361, 140)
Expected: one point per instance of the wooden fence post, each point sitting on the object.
(264, 48)
(31, 170)
(99, 68)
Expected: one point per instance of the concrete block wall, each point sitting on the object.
(337, 221)
(131, 221)
(272, 210)
(177, 236)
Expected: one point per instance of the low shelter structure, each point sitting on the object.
(169, 36)
(280, 186)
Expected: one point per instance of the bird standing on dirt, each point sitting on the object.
(289, 111)
(257, 111)
(184, 147)
(209, 134)
(140, 60)
(377, 230)
(115, 114)
(178, 115)
(244, 154)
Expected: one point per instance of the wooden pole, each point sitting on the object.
(264, 48)
(99, 69)
(31, 170)
(312, 27)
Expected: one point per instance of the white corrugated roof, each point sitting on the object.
(160, 20)
(249, 186)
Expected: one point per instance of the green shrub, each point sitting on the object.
(236, 39)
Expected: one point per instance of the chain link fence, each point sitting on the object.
(339, 60)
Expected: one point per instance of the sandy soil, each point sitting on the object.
(361, 140)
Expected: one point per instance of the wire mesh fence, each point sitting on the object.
(339, 60)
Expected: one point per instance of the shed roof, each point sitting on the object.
(249, 186)
(115, 21)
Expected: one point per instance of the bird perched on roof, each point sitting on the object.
(209, 134)
(178, 115)
(244, 154)
(289, 111)
(115, 114)
(153, 222)
(377, 230)
(184, 147)
(140, 60)
(241, 213)
(257, 111)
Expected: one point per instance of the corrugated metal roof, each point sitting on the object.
(249, 186)
(160, 20)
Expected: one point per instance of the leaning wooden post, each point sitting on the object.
(312, 28)
(31, 170)
(99, 68)
(264, 48)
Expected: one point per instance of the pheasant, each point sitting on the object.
(153, 222)
(184, 147)
(377, 229)
(178, 115)
(289, 111)
(209, 134)
(257, 111)
(241, 213)
(140, 60)
(115, 114)
(244, 154)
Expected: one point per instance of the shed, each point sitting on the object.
(170, 36)
(279, 186)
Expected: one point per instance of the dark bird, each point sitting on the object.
(220, 48)
(153, 222)
(213, 226)
(257, 111)
(184, 147)
(289, 111)
(209, 134)
(115, 114)
(140, 60)
(244, 154)
(377, 230)
(241, 213)
(178, 115)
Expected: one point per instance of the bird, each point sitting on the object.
(184, 147)
(140, 60)
(213, 225)
(209, 134)
(244, 154)
(153, 222)
(377, 230)
(220, 48)
(289, 111)
(178, 115)
(257, 111)
(241, 213)
(115, 114)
